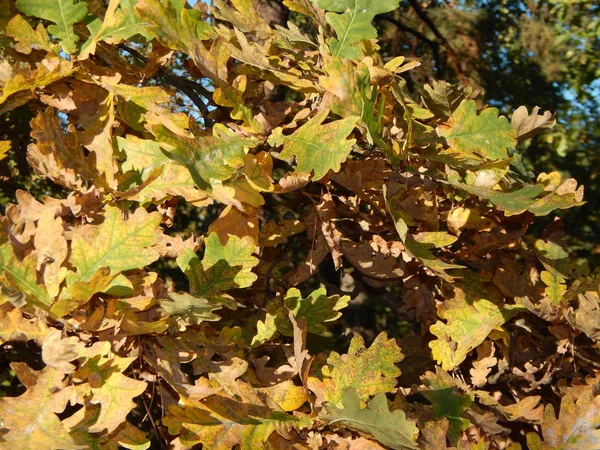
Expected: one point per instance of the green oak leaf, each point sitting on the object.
(367, 370)
(318, 148)
(353, 23)
(207, 158)
(64, 14)
(190, 309)
(316, 309)
(470, 316)
(222, 268)
(447, 401)
(391, 428)
(117, 243)
(144, 158)
(174, 25)
(558, 194)
(473, 136)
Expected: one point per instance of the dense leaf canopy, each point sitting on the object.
(224, 230)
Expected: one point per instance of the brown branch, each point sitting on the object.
(434, 29)
(194, 91)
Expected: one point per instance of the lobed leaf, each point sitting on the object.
(63, 13)
(391, 428)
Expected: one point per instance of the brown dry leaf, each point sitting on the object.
(221, 422)
(576, 427)
(233, 222)
(318, 251)
(325, 213)
(374, 260)
(484, 363)
(587, 315)
(15, 327)
(51, 250)
(302, 359)
(272, 233)
(59, 155)
(292, 182)
(173, 246)
(529, 125)
(24, 215)
(58, 352)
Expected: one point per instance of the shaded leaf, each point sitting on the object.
(189, 309)
(126, 435)
(391, 428)
(530, 125)
(447, 401)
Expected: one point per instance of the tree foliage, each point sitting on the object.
(216, 197)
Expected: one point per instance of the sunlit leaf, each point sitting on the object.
(575, 428)
(221, 422)
(223, 267)
(117, 243)
(22, 275)
(63, 13)
(470, 316)
(369, 371)
(31, 418)
(318, 148)
(207, 158)
(351, 20)
(474, 136)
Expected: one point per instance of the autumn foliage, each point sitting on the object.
(290, 154)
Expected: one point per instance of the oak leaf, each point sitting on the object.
(222, 268)
(391, 428)
(63, 13)
(351, 20)
(31, 418)
(317, 148)
(221, 423)
(575, 428)
(369, 371)
(475, 136)
(469, 317)
(117, 243)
